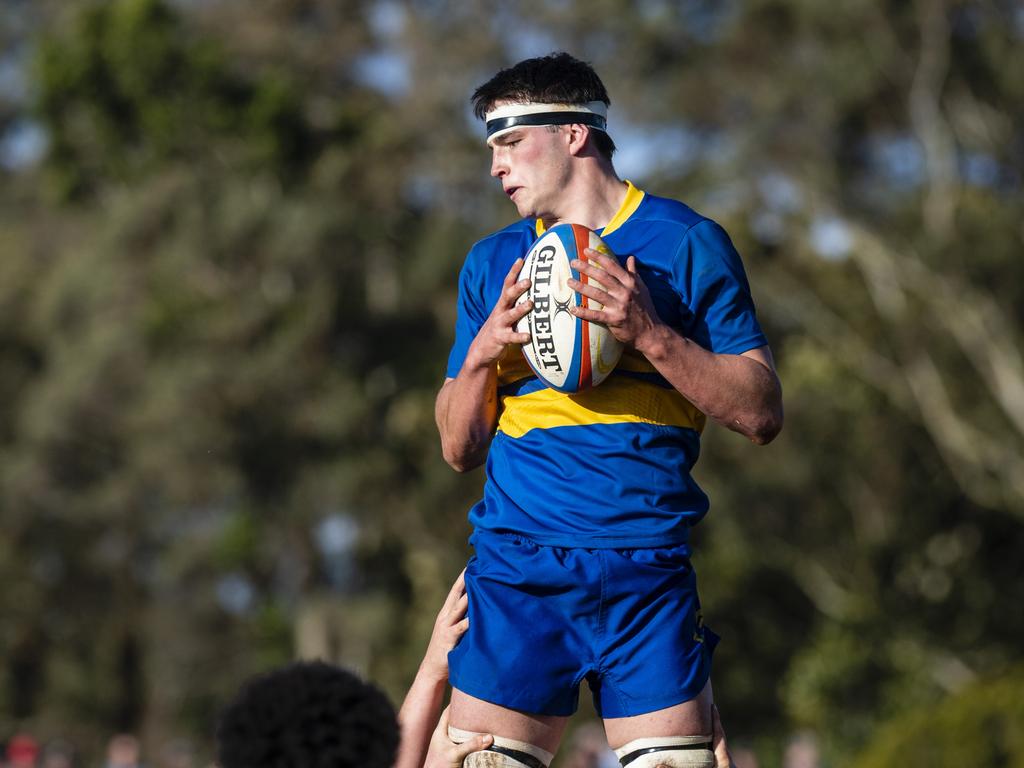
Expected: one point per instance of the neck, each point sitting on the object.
(592, 197)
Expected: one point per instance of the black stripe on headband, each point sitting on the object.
(547, 118)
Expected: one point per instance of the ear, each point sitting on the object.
(577, 135)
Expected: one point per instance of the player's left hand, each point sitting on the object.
(628, 310)
(445, 753)
(450, 625)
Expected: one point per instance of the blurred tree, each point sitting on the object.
(128, 90)
(867, 159)
(212, 369)
(981, 725)
(227, 295)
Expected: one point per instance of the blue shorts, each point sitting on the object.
(541, 619)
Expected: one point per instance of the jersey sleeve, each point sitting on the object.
(472, 312)
(711, 279)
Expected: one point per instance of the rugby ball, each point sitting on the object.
(567, 354)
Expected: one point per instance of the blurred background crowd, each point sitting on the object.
(229, 238)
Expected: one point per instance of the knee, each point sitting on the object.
(667, 752)
(503, 753)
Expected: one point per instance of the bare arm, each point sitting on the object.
(418, 717)
(466, 409)
(740, 392)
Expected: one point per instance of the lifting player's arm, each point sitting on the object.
(422, 740)
(467, 406)
(740, 392)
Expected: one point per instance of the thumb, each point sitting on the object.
(631, 264)
(475, 744)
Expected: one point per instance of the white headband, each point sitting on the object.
(508, 116)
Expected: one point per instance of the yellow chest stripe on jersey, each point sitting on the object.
(619, 400)
(512, 366)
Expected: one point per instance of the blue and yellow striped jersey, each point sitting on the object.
(608, 467)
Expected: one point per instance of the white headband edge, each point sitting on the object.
(518, 110)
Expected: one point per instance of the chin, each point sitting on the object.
(525, 211)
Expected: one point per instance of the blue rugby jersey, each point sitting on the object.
(608, 467)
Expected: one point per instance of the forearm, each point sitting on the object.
(738, 391)
(466, 414)
(418, 717)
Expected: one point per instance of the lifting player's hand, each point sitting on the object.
(445, 753)
(628, 310)
(723, 758)
(450, 625)
(499, 331)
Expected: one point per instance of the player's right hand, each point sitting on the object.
(500, 328)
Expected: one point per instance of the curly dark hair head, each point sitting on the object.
(307, 715)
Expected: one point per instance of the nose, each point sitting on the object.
(499, 167)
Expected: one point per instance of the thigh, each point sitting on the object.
(657, 652)
(526, 645)
(472, 714)
(691, 718)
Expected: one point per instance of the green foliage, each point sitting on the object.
(227, 295)
(981, 725)
(126, 89)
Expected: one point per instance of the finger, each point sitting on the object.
(457, 589)
(610, 263)
(597, 276)
(591, 291)
(512, 286)
(631, 264)
(592, 315)
(520, 310)
(516, 313)
(511, 293)
(513, 273)
(462, 604)
(461, 627)
(475, 744)
(721, 750)
(457, 611)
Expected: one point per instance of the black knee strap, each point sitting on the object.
(627, 759)
(523, 757)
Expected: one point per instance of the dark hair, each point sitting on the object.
(557, 78)
(307, 715)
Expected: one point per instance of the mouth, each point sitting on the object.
(511, 191)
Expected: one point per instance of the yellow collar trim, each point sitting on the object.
(633, 199)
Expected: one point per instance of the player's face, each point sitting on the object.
(532, 164)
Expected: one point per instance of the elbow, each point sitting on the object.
(460, 466)
(766, 427)
(767, 418)
(460, 461)
(765, 435)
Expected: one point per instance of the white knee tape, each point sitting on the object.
(503, 753)
(670, 751)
